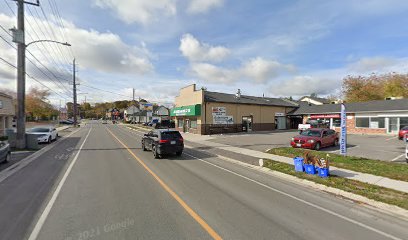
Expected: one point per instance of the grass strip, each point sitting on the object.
(391, 170)
(370, 191)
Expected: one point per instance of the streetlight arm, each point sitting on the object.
(66, 44)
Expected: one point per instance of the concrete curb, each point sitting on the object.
(383, 207)
(4, 174)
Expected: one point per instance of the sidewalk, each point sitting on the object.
(362, 177)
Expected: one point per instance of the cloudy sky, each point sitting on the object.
(272, 47)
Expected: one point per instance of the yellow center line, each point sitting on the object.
(189, 210)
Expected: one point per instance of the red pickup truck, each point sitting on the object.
(315, 138)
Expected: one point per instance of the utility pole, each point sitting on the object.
(133, 107)
(75, 94)
(20, 138)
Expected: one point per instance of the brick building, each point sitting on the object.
(373, 117)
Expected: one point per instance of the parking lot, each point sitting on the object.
(381, 147)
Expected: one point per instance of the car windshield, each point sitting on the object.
(44, 130)
(311, 133)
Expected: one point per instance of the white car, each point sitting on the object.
(45, 134)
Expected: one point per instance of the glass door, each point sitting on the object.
(393, 123)
(247, 123)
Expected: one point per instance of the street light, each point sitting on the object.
(18, 37)
(52, 41)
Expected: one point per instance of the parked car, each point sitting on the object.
(315, 138)
(45, 134)
(5, 152)
(406, 153)
(66, 122)
(402, 132)
(163, 141)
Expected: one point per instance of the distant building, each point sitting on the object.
(315, 100)
(63, 114)
(130, 113)
(7, 112)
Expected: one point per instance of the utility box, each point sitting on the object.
(32, 141)
(11, 134)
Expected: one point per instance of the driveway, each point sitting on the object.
(386, 148)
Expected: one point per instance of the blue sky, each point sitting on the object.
(276, 48)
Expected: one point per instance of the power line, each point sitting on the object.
(37, 66)
(52, 31)
(12, 65)
(51, 56)
(51, 35)
(106, 91)
(63, 29)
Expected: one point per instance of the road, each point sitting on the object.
(106, 187)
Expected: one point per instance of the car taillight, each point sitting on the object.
(181, 139)
(163, 141)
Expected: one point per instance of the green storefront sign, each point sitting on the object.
(192, 110)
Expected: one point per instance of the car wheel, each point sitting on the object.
(155, 153)
(179, 153)
(49, 139)
(8, 157)
(143, 147)
(317, 146)
(336, 143)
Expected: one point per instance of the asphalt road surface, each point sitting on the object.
(106, 187)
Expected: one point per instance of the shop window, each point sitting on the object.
(377, 122)
(403, 122)
(336, 122)
(180, 123)
(363, 122)
(193, 124)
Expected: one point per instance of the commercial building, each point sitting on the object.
(204, 112)
(373, 117)
(7, 112)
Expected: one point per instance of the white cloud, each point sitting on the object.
(211, 73)
(95, 52)
(305, 85)
(257, 70)
(195, 51)
(372, 64)
(139, 11)
(260, 70)
(202, 6)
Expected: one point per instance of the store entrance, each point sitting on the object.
(393, 123)
(186, 126)
(247, 123)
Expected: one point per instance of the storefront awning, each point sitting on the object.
(191, 110)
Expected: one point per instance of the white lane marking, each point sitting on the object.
(300, 200)
(5, 173)
(395, 159)
(44, 215)
(390, 138)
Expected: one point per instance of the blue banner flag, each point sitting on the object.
(343, 133)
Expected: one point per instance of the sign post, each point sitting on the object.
(343, 136)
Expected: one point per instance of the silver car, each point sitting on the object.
(5, 152)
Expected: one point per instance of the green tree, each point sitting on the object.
(361, 88)
(396, 85)
(38, 105)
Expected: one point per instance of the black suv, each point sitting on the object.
(163, 141)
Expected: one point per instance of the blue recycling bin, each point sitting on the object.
(323, 172)
(310, 169)
(298, 162)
